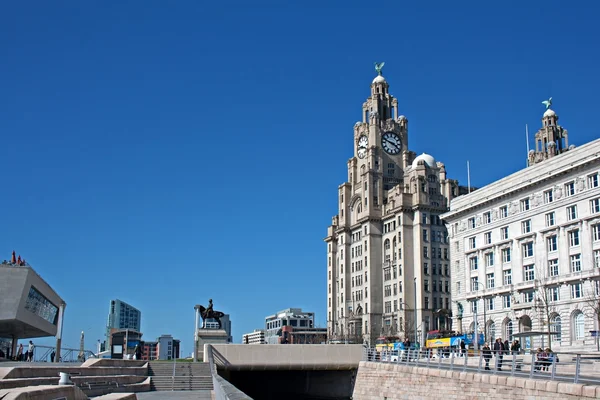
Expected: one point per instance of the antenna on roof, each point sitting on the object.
(527, 138)
(468, 177)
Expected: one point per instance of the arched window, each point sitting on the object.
(386, 244)
(555, 326)
(579, 326)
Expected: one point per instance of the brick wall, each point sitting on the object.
(378, 381)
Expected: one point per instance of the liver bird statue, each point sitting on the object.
(547, 103)
(379, 67)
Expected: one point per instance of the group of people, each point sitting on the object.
(27, 356)
(544, 358)
(500, 348)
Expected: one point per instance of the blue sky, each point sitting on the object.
(164, 153)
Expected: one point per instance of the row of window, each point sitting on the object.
(549, 197)
(526, 226)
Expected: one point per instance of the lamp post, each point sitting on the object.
(415, 316)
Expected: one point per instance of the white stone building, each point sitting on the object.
(525, 250)
(387, 238)
(293, 317)
(256, 337)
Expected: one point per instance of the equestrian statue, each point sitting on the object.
(208, 312)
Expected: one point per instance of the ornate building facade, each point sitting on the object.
(388, 268)
(525, 250)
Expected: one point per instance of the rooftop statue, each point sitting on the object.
(547, 103)
(379, 67)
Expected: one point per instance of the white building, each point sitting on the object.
(525, 250)
(387, 252)
(256, 337)
(294, 317)
(165, 347)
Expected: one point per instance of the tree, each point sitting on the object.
(592, 300)
(544, 297)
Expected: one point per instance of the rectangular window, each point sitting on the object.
(425, 236)
(572, 212)
(525, 204)
(575, 263)
(474, 283)
(506, 255)
(425, 252)
(504, 233)
(487, 237)
(552, 243)
(593, 180)
(550, 219)
(457, 287)
(548, 196)
(471, 223)
(426, 304)
(527, 249)
(489, 303)
(554, 293)
(528, 296)
(503, 211)
(489, 259)
(553, 267)
(39, 305)
(472, 242)
(473, 263)
(487, 217)
(596, 233)
(506, 301)
(490, 280)
(426, 285)
(595, 206)
(424, 219)
(576, 291)
(529, 272)
(526, 226)
(570, 188)
(574, 238)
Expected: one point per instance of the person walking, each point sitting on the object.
(487, 355)
(20, 353)
(499, 350)
(30, 350)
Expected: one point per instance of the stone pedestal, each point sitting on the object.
(210, 336)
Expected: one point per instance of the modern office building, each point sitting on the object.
(122, 316)
(294, 317)
(29, 307)
(256, 337)
(167, 348)
(387, 250)
(525, 250)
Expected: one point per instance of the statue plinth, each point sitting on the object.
(210, 336)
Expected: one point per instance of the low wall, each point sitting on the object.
(53, 371)
(377, 381)
(43, 393)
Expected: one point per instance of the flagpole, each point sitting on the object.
(468, 177)
(527, 139)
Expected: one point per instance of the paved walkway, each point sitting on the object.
(183, 395)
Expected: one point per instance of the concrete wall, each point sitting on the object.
(289, 356)
(376, 381)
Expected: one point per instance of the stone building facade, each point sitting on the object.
(525, 250)
(388, 271)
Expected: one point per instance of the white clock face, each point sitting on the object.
(362, 152)
(363, 141)
(391, 143)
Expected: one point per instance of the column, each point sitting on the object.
(59, 328)
(13, 352)
(197, 311)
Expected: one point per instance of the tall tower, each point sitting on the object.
(387, 239)
(551, 140)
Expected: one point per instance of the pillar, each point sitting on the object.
(15, 344)
(197, 311)
(59, 328)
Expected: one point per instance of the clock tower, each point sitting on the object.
(385, 209)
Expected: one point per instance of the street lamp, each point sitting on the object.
(475, 333)
(415, 316)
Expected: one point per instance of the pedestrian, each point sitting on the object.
(20, 353)
(487, 355)
(499, 350)
(30, 350)
(52, 355)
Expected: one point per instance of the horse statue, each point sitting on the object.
(207, 313)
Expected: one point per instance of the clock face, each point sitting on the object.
(391, 143)
(363, 141)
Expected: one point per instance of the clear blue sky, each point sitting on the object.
(164, 153)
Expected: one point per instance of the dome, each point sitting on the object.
(427, 159)
(401, 117)
(379, 79)
(549, 113)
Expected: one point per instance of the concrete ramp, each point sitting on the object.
(287, 356)
(46, 392)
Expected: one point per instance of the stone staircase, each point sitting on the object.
(188, 376)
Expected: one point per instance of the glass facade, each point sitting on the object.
(38, 304)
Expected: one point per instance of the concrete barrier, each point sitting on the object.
(43, 393)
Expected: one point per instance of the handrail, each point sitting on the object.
(565, 367)
(223, 389)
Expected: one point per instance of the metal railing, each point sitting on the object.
(43, 354)
(565, 367)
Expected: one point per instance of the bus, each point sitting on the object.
(387, 343)
(438, 339)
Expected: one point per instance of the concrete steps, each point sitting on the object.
(187, 376)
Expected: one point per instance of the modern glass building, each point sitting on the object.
(122, 316)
